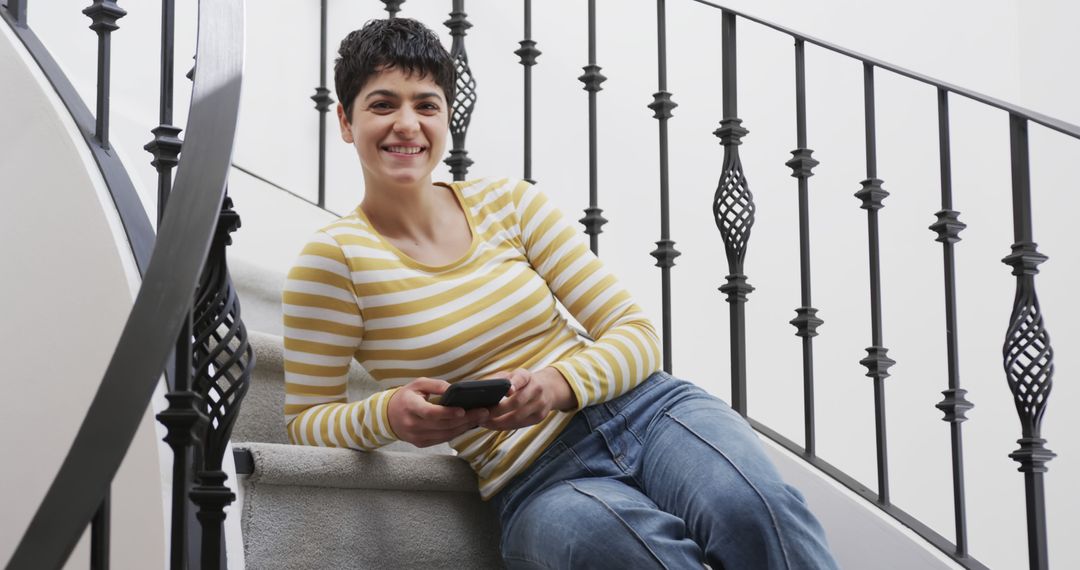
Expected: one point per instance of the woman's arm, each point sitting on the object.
(323, 328)
(626, 348)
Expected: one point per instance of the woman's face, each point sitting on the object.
(398, 126)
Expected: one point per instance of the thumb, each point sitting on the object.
(429, 386)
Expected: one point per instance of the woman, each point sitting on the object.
(595, 457)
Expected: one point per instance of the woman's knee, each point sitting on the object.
(590, 523)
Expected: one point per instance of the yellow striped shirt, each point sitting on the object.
(351, 294)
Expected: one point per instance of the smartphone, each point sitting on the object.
(471, 394)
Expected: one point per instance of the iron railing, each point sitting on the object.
(185, 272)
(1028, 357)
(1027, 352)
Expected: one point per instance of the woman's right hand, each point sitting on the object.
(416, 420)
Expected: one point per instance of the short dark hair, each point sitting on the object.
(394, 43)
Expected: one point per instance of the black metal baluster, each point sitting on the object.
(877, 362)
(464, 93)
(594, 220)
(166, 145)
(103, 14)
(184, 421)
(223, 362)
(665, 252)
(99, 535)
(948, 227)
(528, 54)
(17, 9)
(1028, 357)
(733, 209)
(322, 101)
(806, 320)
(392, 7)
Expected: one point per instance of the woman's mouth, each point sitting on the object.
(407, 150)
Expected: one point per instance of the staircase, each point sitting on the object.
(403, 507)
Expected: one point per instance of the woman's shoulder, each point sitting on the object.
(481, 190)
(349, 228)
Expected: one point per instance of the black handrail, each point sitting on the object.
(163, 302)
(1064, 127)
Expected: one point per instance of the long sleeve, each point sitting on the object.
(626, 348)
(323, 328)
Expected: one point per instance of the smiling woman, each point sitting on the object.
(594, 455)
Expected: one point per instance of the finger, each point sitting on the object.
(526, 396)
(519, 379)
(449, 430)
(522, 416)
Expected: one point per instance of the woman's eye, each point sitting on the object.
(381, 105)
(429, 107)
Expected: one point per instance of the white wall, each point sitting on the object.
(1012, 50)
(69, 287)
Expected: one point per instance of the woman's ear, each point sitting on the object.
(343, 122)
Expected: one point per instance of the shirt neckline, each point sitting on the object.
(409, 260)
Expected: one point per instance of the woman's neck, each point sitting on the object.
(404, 212)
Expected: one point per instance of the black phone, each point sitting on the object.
(471, 394)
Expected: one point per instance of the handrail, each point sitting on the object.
(163, 302)
(1050, 122)
(1058, 125)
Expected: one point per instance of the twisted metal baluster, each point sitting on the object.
(665, 252)
(877, 362)
(955, 406)
(806, 320)
(464, 93)
(733, 210)
(223, 362)
(1028, 357)
(594, 219)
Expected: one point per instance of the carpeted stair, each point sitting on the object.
(309, 507)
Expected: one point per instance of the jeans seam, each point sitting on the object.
(621, 521)
(768, 507)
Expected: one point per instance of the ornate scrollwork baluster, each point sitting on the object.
(223, 361)
(733, 209)
(1028, 356)
(461, 108)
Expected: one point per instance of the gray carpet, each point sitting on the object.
(310, 507)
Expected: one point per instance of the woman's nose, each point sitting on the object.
(406, 122)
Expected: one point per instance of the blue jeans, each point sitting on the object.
(664, 476)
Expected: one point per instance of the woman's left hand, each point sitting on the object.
(532, 396)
